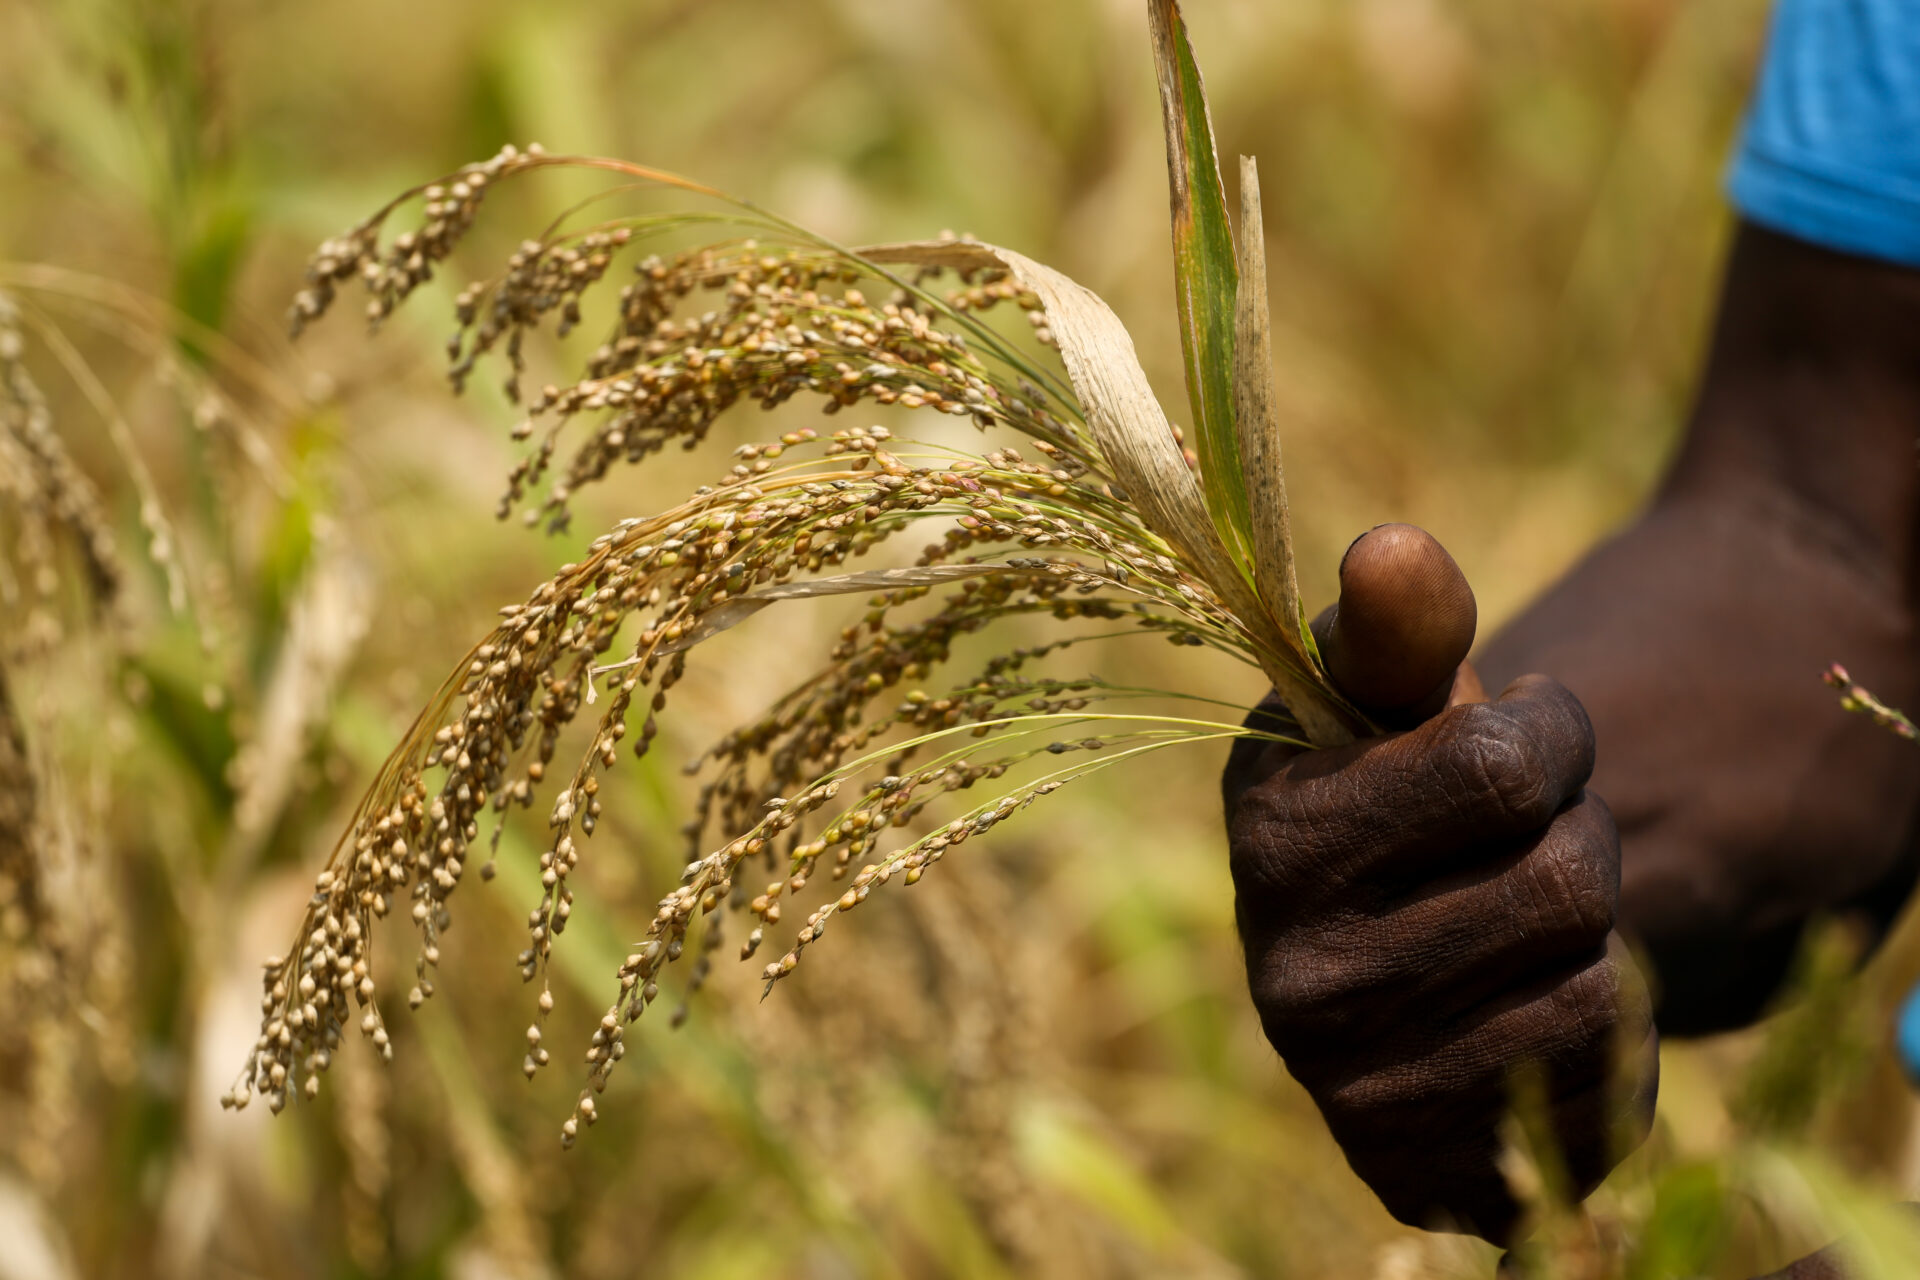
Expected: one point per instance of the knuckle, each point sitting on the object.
(1560, 725)
(1566, 1022)
(1289, 840)
(1262, 841)
(1368, 1100)
(1505, 768)
(1588, 1006)
(1361, 1112)
(1411, 1094)
(1565, 891)
(1305, 991)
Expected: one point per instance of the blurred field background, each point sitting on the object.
(1493, 228)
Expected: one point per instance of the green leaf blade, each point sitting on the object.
(1205, 278)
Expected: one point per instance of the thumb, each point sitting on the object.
(1402, 627)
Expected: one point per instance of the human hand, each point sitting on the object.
(1424, 911)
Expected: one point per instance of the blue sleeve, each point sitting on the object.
(1831, 148)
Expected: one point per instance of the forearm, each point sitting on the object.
(1783, 539)
(1810, 401)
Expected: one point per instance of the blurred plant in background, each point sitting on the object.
(1492, 228)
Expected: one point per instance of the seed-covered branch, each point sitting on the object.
(1059, 527)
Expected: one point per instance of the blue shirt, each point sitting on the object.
(1831, 148)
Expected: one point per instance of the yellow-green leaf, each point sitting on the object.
(1204, 277)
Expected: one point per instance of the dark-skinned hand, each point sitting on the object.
(1426, 910)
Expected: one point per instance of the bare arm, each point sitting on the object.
(1784, 539)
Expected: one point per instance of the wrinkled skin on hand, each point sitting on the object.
(1423, 911)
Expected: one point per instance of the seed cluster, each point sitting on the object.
(29, 936)
(390, 277)
(785, 321)
(61, 942)
(47, 498)
(540, 278)
(782, 319)
(828, 773)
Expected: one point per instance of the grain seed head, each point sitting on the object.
(856, 775)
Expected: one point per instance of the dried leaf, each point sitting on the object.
(1112, 388)
(1257, 426)
(1133, 434)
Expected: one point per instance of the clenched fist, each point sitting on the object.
(1425, 911)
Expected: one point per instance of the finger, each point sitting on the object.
(1449, 1083)
(1568, 1022)
(1450, 1086)
(1471, 934)
(1405, 620)
(1408, 806)
(1252, 760)
(1451, 943)
(1403, 624)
